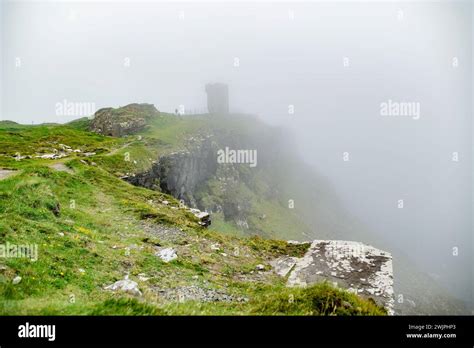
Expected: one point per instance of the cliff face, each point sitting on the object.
(181, 173)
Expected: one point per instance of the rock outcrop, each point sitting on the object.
(123, 121)
(203, 217)
(194, 176)
(359, 268)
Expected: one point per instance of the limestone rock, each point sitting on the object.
(283, 265)
(143, 277)
(51, 155)
(125, 285)
(215, 247)
(354, 266)
(181, 173)
(167, 254)
(203, 217)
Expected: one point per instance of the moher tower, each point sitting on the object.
(217, 98)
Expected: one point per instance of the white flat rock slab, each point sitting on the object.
(360, 268)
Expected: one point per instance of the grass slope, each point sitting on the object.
(92, 228)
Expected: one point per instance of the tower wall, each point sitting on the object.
(217, 98)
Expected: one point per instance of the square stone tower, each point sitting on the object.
(217, 98)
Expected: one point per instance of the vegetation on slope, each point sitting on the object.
(92, 229)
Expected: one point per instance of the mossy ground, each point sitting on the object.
(89, 228)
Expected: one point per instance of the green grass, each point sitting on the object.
(89, 228)
(319, 299)
(277, 247)
(29, 140)
(172, 130)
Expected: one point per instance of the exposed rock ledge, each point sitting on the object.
(360, 268)
(181, 173)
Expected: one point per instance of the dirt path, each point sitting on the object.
(61, 167)
(114, 151)
(5, 173)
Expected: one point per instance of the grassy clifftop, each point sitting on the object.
(93, 229)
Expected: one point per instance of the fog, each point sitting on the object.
(319, 69)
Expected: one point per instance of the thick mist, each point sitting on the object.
(377, 95)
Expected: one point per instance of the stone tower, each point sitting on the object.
(217, 98)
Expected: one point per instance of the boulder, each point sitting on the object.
(203, 217)
(167, 254)
(125, 285)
